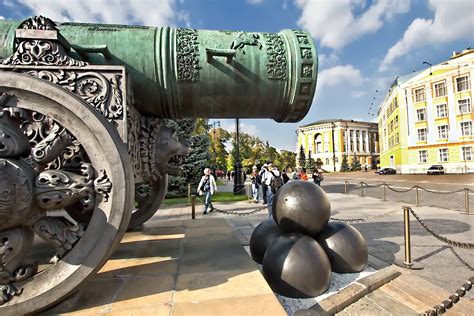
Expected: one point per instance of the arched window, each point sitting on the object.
(318, 141)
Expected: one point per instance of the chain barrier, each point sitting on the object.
(366, 185)
(453, 299)
(445, 192)
(364, 219)
(237, 211)
(453, 243)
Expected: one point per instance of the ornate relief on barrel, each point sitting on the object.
(276, 53)
(187, 55)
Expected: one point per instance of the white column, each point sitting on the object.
(361, 142)
(354, 141)
(367, 148)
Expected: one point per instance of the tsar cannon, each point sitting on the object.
(84, 152)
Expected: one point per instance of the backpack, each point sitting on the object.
(259, 179)
(206, 186)
(275, 183)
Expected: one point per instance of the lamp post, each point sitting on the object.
(427, 63)
(238, 176)
(333, 147)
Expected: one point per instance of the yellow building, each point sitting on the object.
(327, 141)
(427, 117)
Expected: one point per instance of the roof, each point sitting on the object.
(327, 121)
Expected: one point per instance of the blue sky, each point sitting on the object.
(362, 44)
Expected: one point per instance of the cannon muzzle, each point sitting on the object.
(178, 73)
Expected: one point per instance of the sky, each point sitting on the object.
(362, 45)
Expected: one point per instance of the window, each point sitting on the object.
(327, 161)
(440, 89)
(421, 114)
(466, 153)
(419, 94)
(464, 106)
(442, 131)
(441, 110)
(443, 154)
(462, 83)
(357, 141)
(364, 149)
(422, 156)
(397, 138)
(422, 134)
(396, 121)
(466, 128)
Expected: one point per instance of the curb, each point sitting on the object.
(349, 295)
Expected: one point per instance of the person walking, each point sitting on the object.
(207, 186)
(271, 173)
(317, 177)
(262, 174)
(255, 179)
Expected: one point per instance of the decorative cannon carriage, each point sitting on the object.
(84, 153)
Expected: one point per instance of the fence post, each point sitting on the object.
(407, 263)
(466, 200)
(384, 192)
(345, 187)
(362, 189)
(193, 206)
(417, 201)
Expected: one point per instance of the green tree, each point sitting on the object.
(344, 164)
(301, 157)
(219, 138)
(356, 164)
(287, 160)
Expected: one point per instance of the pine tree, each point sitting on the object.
(356, 164)
(198, 159)
(310, 164)
(344, 164)
(301, 157)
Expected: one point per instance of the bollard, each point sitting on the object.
(417, 201)
(384, 192)
(362, 189)
(466, 201)
(249, 191)
(407, 263)
(345, 187)
(189, 192)
(193, 206)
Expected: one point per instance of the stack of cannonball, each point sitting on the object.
(299, 248)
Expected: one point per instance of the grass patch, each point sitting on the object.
(218, 197)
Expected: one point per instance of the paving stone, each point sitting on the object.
(154, 310)
(258, 305)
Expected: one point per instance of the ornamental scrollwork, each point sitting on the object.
(41, 52)
(38, 22)
(187, 54)
(276, 54)
(102, 92)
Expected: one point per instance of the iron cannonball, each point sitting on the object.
(301, 206)
(296, 266)
(345, 247)
(262, 237)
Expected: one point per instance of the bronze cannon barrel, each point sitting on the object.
(179, 73)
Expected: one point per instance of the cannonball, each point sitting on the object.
(296, 266)
(301, 206)
(262, 237)
(345, 247)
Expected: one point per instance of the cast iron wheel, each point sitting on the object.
(111, 209)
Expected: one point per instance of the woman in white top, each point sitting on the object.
(207, 186)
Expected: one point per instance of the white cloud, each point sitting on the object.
(358, 93)
(2, 18)
(342, 74)
(452, 20)
(147, 12)
(254, 2)
(250, 129)
(326, 61)
(336, 24)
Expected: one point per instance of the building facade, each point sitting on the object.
(328, 141)
(427, 117)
